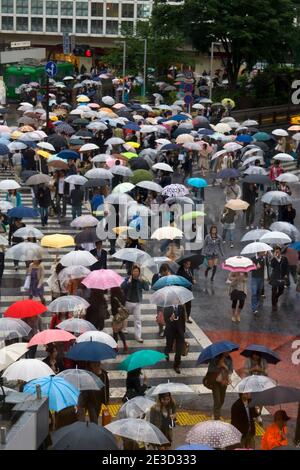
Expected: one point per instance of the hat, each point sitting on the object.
(281, 414)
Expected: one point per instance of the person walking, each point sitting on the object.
(255, 365)
(101, 256)
(163, 416)
(250, 195)
(257, 280)
(76, 198)
(212, 250)
(238, 293)
(276, 434)
(292, 257)
(43, 198)
(242, 418)
(228, 221)
(14, 197)
(186, 271)
(117, 297)
(17, 163)
(164, 270)
(36, 273)
(278, 277)
(175, 319)
(91, 401)
(220, 369)
(232, 190)
(267, 217)
(288, 214)
(61, 192)
(97, 312)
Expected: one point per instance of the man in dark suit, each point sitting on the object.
(242, 417)
(175, 318)
(101, 256)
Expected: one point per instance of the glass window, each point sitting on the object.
(51, 8)
(51, 25)
(127, 10)
(66, 25)
(143, 11)
(82, 9)
(22, 7)
(37, 24)
(97, 27)
(66, 9)
(112, 27)
(7, 23)
(36, 7)
(127, 27)
(81, 26)
(7, 6)
(97, 9)
(22, 23)
(112, 10)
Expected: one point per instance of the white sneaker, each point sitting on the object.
(247, 228)
(124, 330)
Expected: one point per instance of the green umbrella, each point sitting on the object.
(141, 175)
(261, 136)
(141, 359)
(192, 215)
(129, 155)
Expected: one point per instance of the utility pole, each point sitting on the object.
(145, 67)
(124, 70)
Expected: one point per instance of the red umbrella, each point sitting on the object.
(50, 336)
(25, 309)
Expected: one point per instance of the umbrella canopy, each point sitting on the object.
(287, 228)
(141, 359)
(78, 258)
(83, 436)
(141, 175)
(132, 254)
(68, 303)
(197, 182)
(171, 295)
(28, 232)
(276, 198)
(11, 353)
(167, 233)
(13, 328)
(228, 173)
(26, 251)
(81, 379)
(91, 351)
(138, 430)
(84, 221)
(254, 235)
(283, 157)
(275, 238)
(87, 235)
(175, 190)
(50, 336)
(295, 246)
(270, 356)
(163, 167)
(25, 309)
(99, 173)
(61, 393)
(6, 185)
(173, 388)
(103, 279)
(216, 434)
(135, 408)
(57, 240)
(276, 396)
(150, 186)
(22, 212)
(238, 264)
(122, 188)
(76, 325)
(255, 383)
(288, 178)
(171, 280)
(121, 170)
(196, 259)
(38, 179)
(237, 205)
(26, 370)
(99, 336)
(215, 349)
(118, 199)
(194, 447)
(261, 137)
(256, 247)
(73, 272)
(76, 179)
(192, 215)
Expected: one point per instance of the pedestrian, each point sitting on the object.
(92, 401)
(133, 287)
(53, 360)
(255, 365)
(163, 416)
(276, 434)
(228, 221)
(117, 298)
(278, 277)
(14, 225)
(136, 384)
(250, 195)
(257, 280)
(164, 270)
(220, 369)
(238, 293)
(97, 312)
(2, 262)
(61, 193)
(43, 198)
(275, 171)
(292, 257)
(186, 271)
(76, 198)
(232, 190)
(36, 274)
(14, 197)
(175, 319)
(242, 418)
(101, 256)
(212, 250)
(267, 217)
(288, 214)
(17, 163)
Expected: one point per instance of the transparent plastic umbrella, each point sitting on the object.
(254, 235)
(11, 353)
(132, 254)
(73, 272)
(255, 383)
(68, 303)
(256, 247)
(216, 434)
(275, 237)
(26, 370)
(13, 328)
(135, 408)
(26, 251)
(138, 430)
(76, 325)
(171, 295)
(84, 221)
(99, 336)
(82, 379)
(276, 198)
(287, 228)
(173, 388)
(28, 232)
(80, 257)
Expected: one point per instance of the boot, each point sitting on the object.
(214, 269)
(207, 271)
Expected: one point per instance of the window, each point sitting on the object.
(36, 7)
(7, 23)
(97, 9)
(96, 27)
(66, 26)
(22, 23)
(22, 7)
(66, 9)
(127, 10)
(51, 8)
(37, 24)
(127, 28)
(112, 27)
(51, 25)
(82, 9)
(112, 10)
(81, 26)
(7, 6)
(143, 11)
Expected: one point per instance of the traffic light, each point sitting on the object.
(88, 53)
(82, 51)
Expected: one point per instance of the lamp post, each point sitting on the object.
(145, 67)
(124, 70)
(211, 66)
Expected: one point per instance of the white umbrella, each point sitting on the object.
(296, 136)
(283, 157)
(76, 325)
(115, 141)
(184, 138)
(253, 159)
(5, 206)
(288, 178)
(88, 147)
(280, 132)
(255, 383)
(26, 251)
(173, 388)
(101, 158)
(256, 247)
(28, 232)
(121, 170)
(138, 430)
(11, 353)
(163, 167)
(46, 146)
(76, 179)
(198, 106)
(132, 254)
(73, 272)
(150, 185)
(108, 100)
(97, 126)
(253, 150)
(276, 198)
(285, 227)
(256, 170)
(80, 257)
(238, 262)
(99, 173)
(250, 122)
(148, 129)
(215, 434)
(99, 336)
(82, 379)
(68, 303)
(13, 328)
(84, 221)
(222, 127)
(171, 295)
(275, 238)
(232, 147)
(16, 146)
(254, 235)
(26, 370)
(167, 233)
(123, 188)
(135, 408)
(118, 198)
(6, 185)
(218, 154)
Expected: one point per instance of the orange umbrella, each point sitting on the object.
(26, 129)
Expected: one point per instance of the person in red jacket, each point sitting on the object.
(275, 171)
(276, 433)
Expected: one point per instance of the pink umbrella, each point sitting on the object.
(103, 279)
(238, 264)
(238, 270)
(50, 336)
(110, 162)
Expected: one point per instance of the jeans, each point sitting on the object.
(257, 285)
(230, 231)
(135, 310)
(76, 211)
(61, 198)
(219, 392)
(44, 215)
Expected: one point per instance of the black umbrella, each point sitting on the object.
(275, 396)
(58, 141)
(86, 236)
(257, 179)
(84, 133)
(195, 258)
(139, 164)
(180, 131)
(83, 436)
(262, 145)
(94, 183)
(228, 173)
(270, 356)
(27, 173)
(81, 122)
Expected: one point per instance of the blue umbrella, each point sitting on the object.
(270, 356)
(197, 182)
(4, 150)
(180, 117)
(91, 351)
(295, 245)
(245, 138)
(204, 131)
(228, 173)
(215, 350)
(171, 280)
(61, 393)
(22, 212)
(194, 447)
(132, 126)
(68, 154)
(170, 147)
(5, 142)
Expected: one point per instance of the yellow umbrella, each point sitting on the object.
(53, 118)
(295, 120)
(237, 205)
(228, 102)
(120, 230)
(17, 135)
(57, 240)
(83, 99)
(129, 155)
(43, 153)
(134, 145)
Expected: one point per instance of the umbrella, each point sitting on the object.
(180, 200)
(68, 154)
(38, 179)
(25, 309)
(285, 227)
(141, 164)
(283, 157)
(250, 122)
(295, 246)
(255, 383)
(11, 353)
(73, 272)
(114, 141)
(196, 259)
(26, 370)
(222, 128)
(95, 183)
(197, 182)
(171, 295)
(257, 179)
(150, 186)
(88, 147)
(25, 251)
(245, 138)
(132, 254)
(6, 185)
(275, 238)
(99, 336)
(4, 150)
(99, 173)
(232, 146)
(129, 155)
(167, 147)
(57, 163)
(276, 396)
(123, 188)
(228, 173)
(13, 328)
(76, 180)
(194, 447)
(78, 258)
(76, 325)
(163, 167)
(57, 240)
(141, 359)
(88, 235)
(103, 279)
(256, 247)
(238, 264)
(175, 190)
(184, 138)
(138, 430)
(173, 388)
(215, 349)
(118, 199)
(261, 137)
(288, 178)
(50, 336)
(192, 215)
(81, 379)
(3, 240)
(171, 280)
(22, 212)
(135, 408)
(46, 146)
(121, 170)
(16, 146)
(91, 351)
(216, 434)
(61, 393)
(68, 303)
(255, 170)
(64, 128)
(237, 205)
(83, 436)
(141, 175)
(270, 356)
(167, 233)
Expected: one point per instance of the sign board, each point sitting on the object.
(188, 88)
(189, 74)
(188, 99)
(51, 69)
(66, 43)
(17, 56)
(72, 42)
(20, 44)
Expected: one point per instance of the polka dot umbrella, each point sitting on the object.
(216, 434)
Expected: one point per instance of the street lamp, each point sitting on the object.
(124, 70)
(145, 67)
(211, 66)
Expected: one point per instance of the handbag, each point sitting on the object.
(27, 282)
(160, 319)
(223, 377)
(185, 348)
(210, 379)
(122, 313)
(106, 417)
